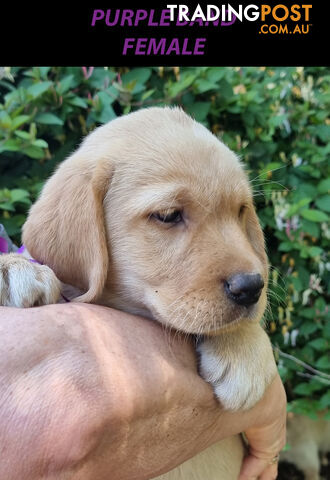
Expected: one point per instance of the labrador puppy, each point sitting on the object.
(154, 215)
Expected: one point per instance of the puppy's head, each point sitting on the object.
(154, 215)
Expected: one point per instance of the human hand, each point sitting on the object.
(88, 375)
(267, 435)
(83, 388)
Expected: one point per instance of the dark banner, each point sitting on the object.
(165, 33)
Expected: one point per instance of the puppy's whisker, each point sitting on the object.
(280, 292)
(194, 320)
(182, 321)
(269, 171)
(176, 301)
(279, 274)
(271, 182)
(268, 315)
(263, 193)
(277, 297)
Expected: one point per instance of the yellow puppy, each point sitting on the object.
(154, 215)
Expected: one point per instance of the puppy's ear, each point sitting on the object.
(65, 228)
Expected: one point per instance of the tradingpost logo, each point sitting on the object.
(275, 19)
(195, 23)
(283, 20)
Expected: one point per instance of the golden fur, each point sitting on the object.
(95, 227)
(92, 227)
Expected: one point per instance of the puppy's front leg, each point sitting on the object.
(26, 284)
(239, 364)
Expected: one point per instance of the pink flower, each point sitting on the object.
(87, 73)
(288, 229)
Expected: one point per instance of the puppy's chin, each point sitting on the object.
(239, 316)
(251, 315)
(209, 326)
(214, 321)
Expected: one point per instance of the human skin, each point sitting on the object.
(89, 392)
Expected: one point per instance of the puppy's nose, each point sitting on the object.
(244, 288)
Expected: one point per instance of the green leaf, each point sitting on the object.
(312, 228)
(11, 145)
(305, 389)
(48, 119)
(101, 78)
(147, 94)
(295, 208)
(305, 190)
(181, 85)
(5, 120)
(22, 134)
(7, 206)
(203, 86)
(34, 152)
(308, 312)
(137, 75)
(38, 89)
(323, 363)
(319, 344)
(44, 71)
(199, 110)
(107, 112)
(325, 400)
(326, 329)
(284, 373)
(315, 251)
(40, 143)
(18, 121)
(307, 329)
(19, 195)
(286, 247)
(297, 283)
(135, 79)
(323, 132)
(214, 74)
(324, 186)
(78, 102)
(323, 203)
(320, 304)
(65, 84)
(13, 225)
(314, 215)
(277, 120)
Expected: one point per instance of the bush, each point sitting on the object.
(276, 119)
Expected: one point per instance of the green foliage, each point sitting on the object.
(276, 119)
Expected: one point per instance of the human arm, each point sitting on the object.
(88, 392)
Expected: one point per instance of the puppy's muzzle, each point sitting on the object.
(244, 288)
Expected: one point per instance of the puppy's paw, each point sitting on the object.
(239, 365)
(26, 284)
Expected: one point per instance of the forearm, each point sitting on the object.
(87, 392)
(73, 382)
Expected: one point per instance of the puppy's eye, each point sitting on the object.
(174, 216)
(242, 210)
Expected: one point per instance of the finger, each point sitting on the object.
(264, 441)
(270, 473)
(252, 468)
